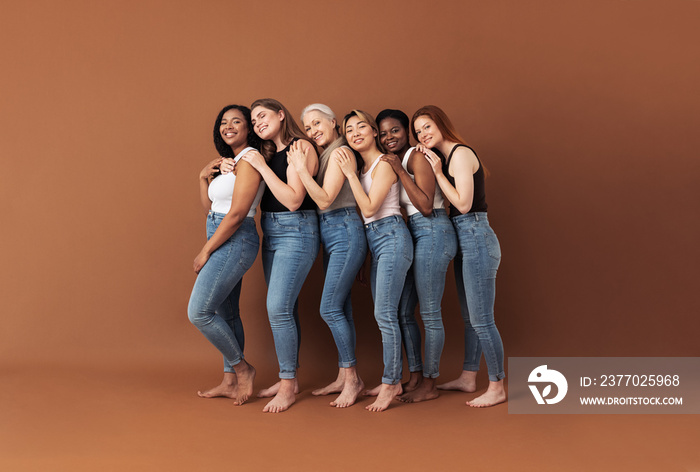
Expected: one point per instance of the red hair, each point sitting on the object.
(443, 123)
(445, 126)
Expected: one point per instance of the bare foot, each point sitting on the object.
(466, 382)
(284, 398)
(352, 387)
(334, 387)
(494, 395)
(425, 391)
(272, 391)
(227, 387)
(387, 393)
(413, 381)
(372, 392)
(246, 376)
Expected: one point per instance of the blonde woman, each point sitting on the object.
(290, 237)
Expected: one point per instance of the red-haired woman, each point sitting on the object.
(461, 179)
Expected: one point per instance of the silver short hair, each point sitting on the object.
(325, 110)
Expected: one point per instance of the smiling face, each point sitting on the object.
(427, 131)
(318, 127)
(234, 129)
(393, 135)
(266, 123)
(359, 134)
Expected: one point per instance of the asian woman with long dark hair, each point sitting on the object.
(376, 192)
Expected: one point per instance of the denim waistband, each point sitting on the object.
(384, 221)
(215, 215)
(436, 212)
(284, 214)
(476, 216)
(338, 212)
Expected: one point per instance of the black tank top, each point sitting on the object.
(278, 165)
(479, 200)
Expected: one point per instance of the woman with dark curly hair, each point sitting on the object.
(434, 246)
(231, 247)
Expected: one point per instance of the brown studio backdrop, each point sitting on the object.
(585, 114)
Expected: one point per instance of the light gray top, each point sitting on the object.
(345, 197)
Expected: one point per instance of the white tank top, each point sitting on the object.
(390, 206)
(221, 190)
(438, 201)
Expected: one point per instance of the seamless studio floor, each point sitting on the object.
(91, 415)
(586, 114)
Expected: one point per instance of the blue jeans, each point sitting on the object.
(475, 274)
(435, 245)
(213, 306)
(344, 251)
(392, 253)
(290, 245)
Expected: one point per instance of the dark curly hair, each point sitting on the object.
(398, 115)
(224, 149)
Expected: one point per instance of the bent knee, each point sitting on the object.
(483, 324)
(197, 316)
(334, 314)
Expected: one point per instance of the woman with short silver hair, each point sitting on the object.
(344, 244)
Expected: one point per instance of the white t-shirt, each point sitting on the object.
(221, 190)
